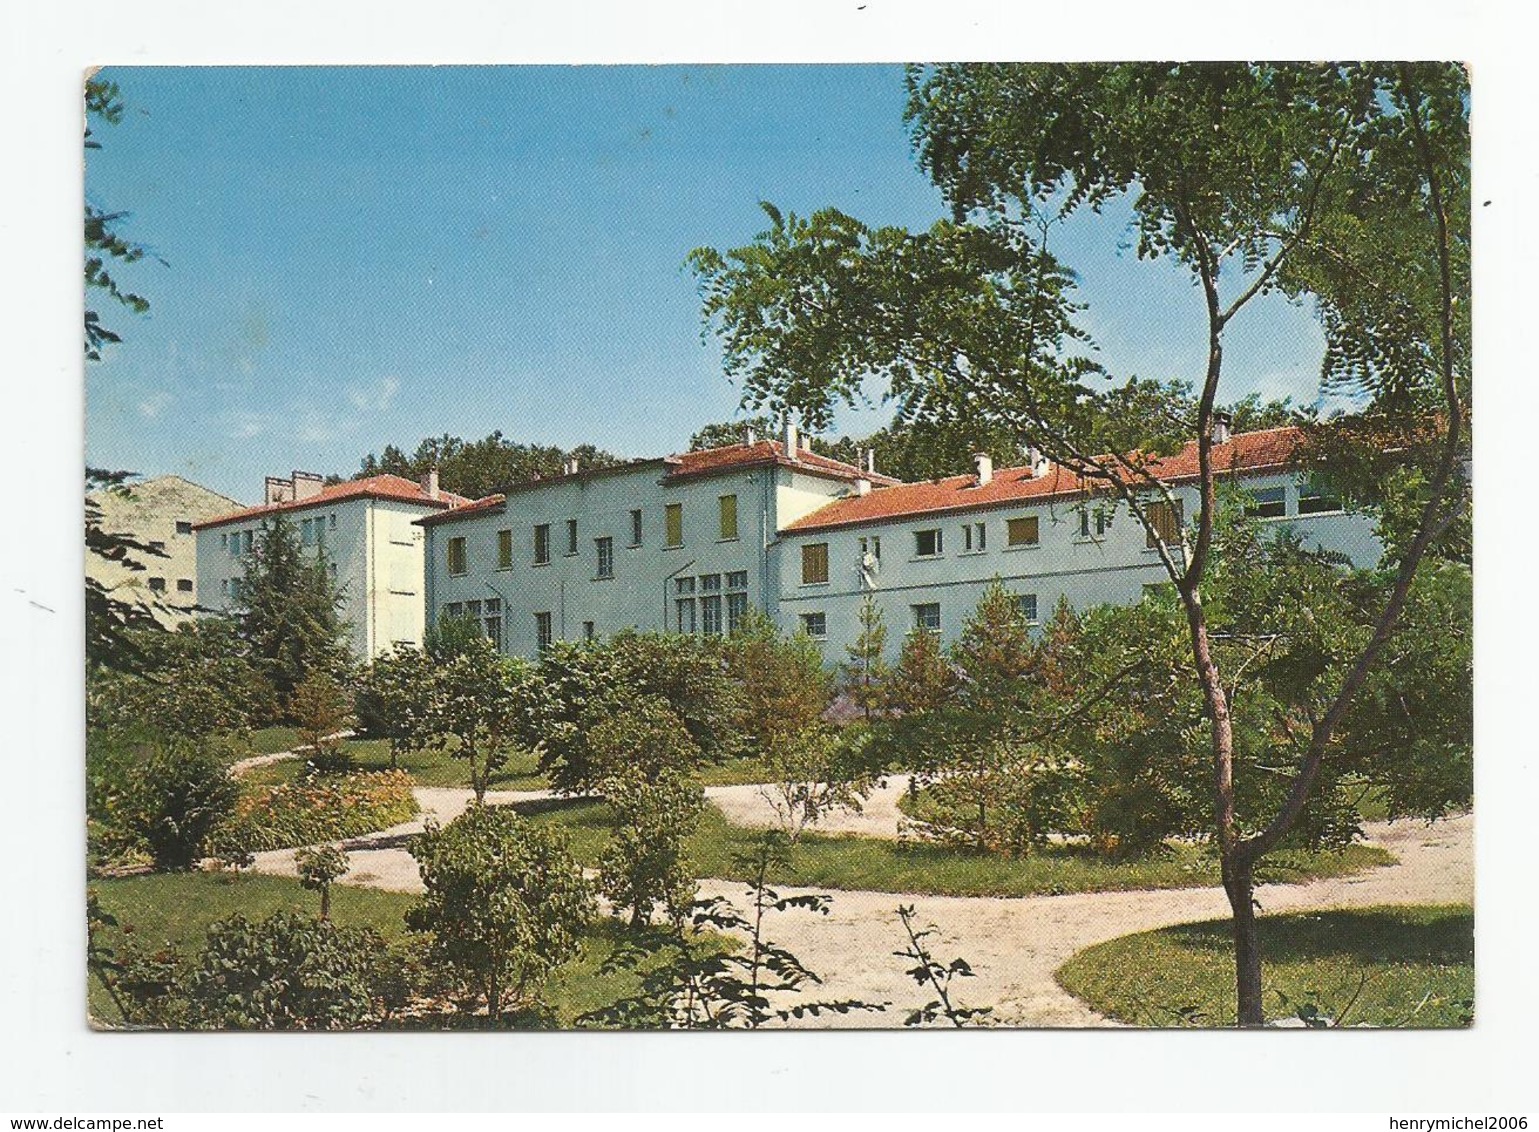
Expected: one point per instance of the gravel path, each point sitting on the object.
(1013, 944)
(878, 815)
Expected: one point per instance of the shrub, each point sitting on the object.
(287, 972)
(317, 868)
(168, 794)
(643, 866)
(326, 809)
(321, 711)
(505, 900)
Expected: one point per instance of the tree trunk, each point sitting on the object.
(1239, 884)
(325, 901)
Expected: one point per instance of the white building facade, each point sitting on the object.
(366, 532)
(688, 543)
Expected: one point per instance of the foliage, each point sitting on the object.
(188, 683)
(320, 709)
(643, 867)
(702, 987)
(111, 622)
(689, 674)
(479, 468)
(866, 672)
(232, 844)
(937, 974)
(923, 679)
(168, 794)
(815, 773)
(479, 706)
(287, 972)
(287, 612)
(1345, 184)
(325, 809)
(318, 867)
(637, 736)
(392, 699)
(504, 901)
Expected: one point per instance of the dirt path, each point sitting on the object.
(878, 815)
(1013, 944)
(241, 766)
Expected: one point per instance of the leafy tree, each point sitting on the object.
(393, 699)
(481, 467)
(318, 867)
(724, 434)
(923, 678)
(169, 793)
(643, 867)
(505, 901)
(866, 671)
(112, 622)
(477, 706)
(287, 972)
(320, 707)
(1344, 184)
(288, 612)
(628, 735)
(689, 674)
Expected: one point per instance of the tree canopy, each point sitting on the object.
(476, 468)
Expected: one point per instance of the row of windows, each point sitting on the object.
(926, 616)
(1272, 502)
(713, 612)
(158, 585)
(673, 536)
(311, 533)
(486, 615)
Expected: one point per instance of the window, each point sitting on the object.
(1028, 606)
(541, 545)
(737, 609)
(245, 541)
(155, 545)
(604, 549)
(587, 631)
(571, 536)
(1269, 503)
(635, 528)
(684, 610)
(331, 520)
(710, 583)
(974, 538)
(815, 563)
(157, 585)
(542, 632)
(504, 550)
(307, 532)
(1024, 530)
(224, 586)
(815, 625)
(454, 611)
(235, 591)
(871, 546)
(493, 622)
(224, 538)
(235, 544)
(710, 615)
(456, 555)
(673, 525)
(1315, 498)
(184, 585)
(1164, 523)
(928, 544)
(1092, 523)
(927, 617)
(737, 580)
(684, 585)
(728, 505)
(183, 527)
(473, 609)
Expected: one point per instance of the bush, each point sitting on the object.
(643, 866)
(326, 809)
(287, 972)
(167, 795)
(505, 900)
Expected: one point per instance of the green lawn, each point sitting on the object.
(429, 768)
(178, 907)
(888, 866)
(1389, 966)
(271, 740)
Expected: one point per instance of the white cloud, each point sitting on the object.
(374, 399)
(152, 405)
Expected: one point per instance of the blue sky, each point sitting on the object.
(362, 256)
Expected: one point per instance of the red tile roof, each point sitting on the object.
(464, 511)
(763, 453)
(396, 489)
(1251, 451)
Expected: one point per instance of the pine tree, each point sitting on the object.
(866, 672)
(289, 612)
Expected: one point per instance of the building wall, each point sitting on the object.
(157, 512)
(644, 591)
(1112, 566)
(375, 555)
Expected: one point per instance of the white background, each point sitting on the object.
(49, 1061)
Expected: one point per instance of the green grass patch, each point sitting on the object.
(272, 740)
(427, 768)
(1388, 966)
(866, 863)
(178, 908)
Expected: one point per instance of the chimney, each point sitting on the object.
(807, 444)
(870, 461)
(1222, 423)
(571, 465)
(1037, 460)
(985, 464)
(430, 483)
(307, 485)
(748, 436)
(788, 442)
(277, 490)
(862, 485)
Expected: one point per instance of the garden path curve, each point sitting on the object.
(1014, 944)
